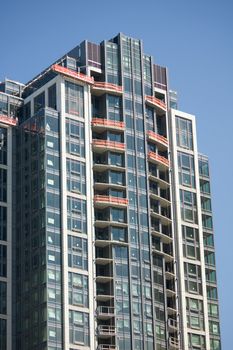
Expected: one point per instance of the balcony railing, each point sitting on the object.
(107, 144)
(105, 311)
(106, 330)
(172, 323)
(174, 343)
(72, 74)
(101, 86)
(106, 123)
(160, 159)
(158, 138)
(156, 102)
(5, 119)
(110, 200)
(107, 347)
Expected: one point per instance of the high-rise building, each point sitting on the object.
(106, 224)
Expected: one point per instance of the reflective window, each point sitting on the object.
(74, 99)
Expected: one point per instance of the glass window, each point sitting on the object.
(52, 97)
(186, 169)
(3, 260)
(3, 295)
(39, 102)
(74, 99)
(184, 135)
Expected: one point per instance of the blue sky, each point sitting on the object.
(192, 38)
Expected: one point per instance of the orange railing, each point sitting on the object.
(156, 101)
(158, 158)
(107, 143)
(110, 199)
(107, 122)
(5, 119)
(72, 74)
(107, 86)
(157, 137)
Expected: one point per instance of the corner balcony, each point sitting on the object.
(102, 124)
(107, 145)
(102, 201)
(159, 105)
(106, 331)
(7, 120)
(105, 312)
(162, 162)
(100, 88)
(72, 74)
(161, 141)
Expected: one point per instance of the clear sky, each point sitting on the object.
(193, 38)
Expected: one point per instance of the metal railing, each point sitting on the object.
(156, 101)
(107, 122)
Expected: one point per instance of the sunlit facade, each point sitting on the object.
(112, 227)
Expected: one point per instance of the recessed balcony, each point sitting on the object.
(106, 331)
(160, 140)
(159, 105)
(105, 312)
(107, 145)
(72, 74)
(106, 201)
(100, 87)
(101, 124)
(162, 162)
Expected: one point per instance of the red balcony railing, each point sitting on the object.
(5, 119)
(156, 102)
(158, 158)
(107, 123)
(109, 144)
(110, 199)
(72, 74)
(156, 137)
(101, 85)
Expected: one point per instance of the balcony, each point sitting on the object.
(166, 254)
(173, 343)
(162, 162)
(161, 141)
(162, 183)
(107, 145)
(7, 120)
(159, 105)
(172, 323)
(104, 292)
(106, 201)
(102, 124)
(72, 74)
(105, 312)
(100, 87)
(165, 238)
(156, 196)
(163, 216)
(107, 347)
(106, 331)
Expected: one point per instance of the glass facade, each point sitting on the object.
(111, 220)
